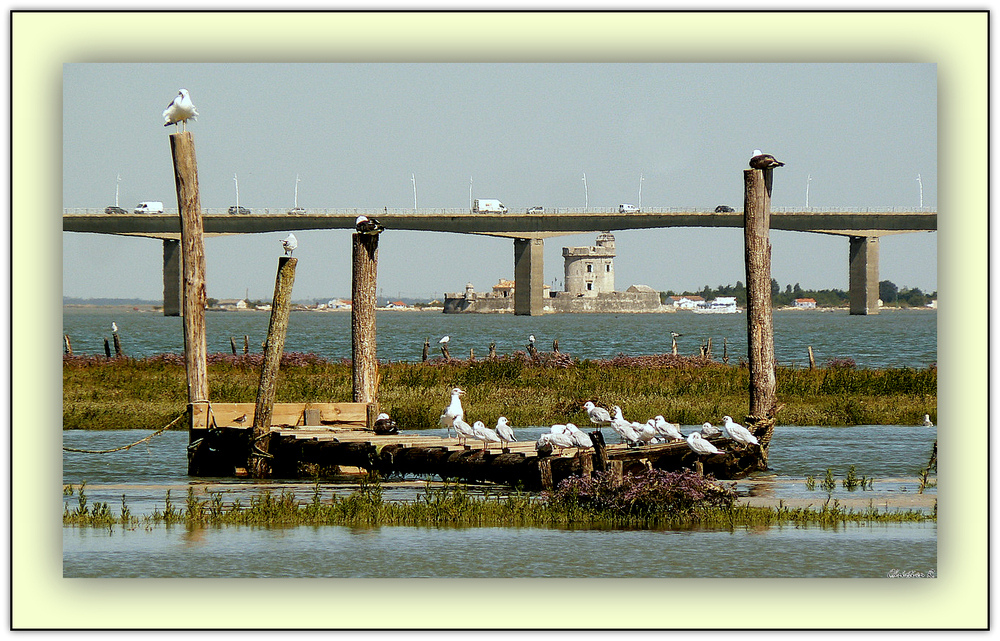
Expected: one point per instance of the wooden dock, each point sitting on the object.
(334, 440)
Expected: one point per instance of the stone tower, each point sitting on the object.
(591, 270)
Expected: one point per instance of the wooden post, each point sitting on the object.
(246, 344)
(725, 350)
(673, 345)
(493, 349)
(118, 344)
(812, 361)
(193, 267)
(364, 365)
(232, 344)
(427, 349)
(258, 465)
(555, 345)
(107, 349)
(444, 351)
(69, 346)
(760, 327)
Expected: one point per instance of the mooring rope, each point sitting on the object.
(131, 445)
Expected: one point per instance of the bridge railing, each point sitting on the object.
(406, 211)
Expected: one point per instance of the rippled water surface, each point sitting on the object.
(889, 339)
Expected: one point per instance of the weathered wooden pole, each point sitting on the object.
(193, 268)
(232, 344)
(760, 327)
(69, 346)
(246, 344)
(364, 364)
(427, 349)
(812, 360)
(118, 344)
(258, 465)
(107, 349)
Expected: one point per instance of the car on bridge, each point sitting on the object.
(115, 210)
(537, 209)
(724, 209)
(149, 207)
(297, 211)
(627, 208)
(242, 211)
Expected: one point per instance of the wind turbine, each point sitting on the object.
(921, 184)
(296, 191)
(116, 189)
(237, 193)
(586, 194)
(808, 180)
(413, 179)
(470, 193)
(640, 190)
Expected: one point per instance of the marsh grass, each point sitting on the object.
(654, 502)
(148, 393)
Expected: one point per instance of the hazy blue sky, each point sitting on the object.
(525, 133)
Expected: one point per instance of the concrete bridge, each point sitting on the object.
(863, 227)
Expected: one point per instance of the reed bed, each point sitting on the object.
(100, 393)
(686, 502)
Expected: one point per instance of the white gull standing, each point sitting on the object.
(289, 244)
(453, 411)
(484, 433)
(504, 431)
(700, 446)
(463, 431)
(667, 429)
(580, 438)
(180, 110)
(707, 429)
(598, 415)
(736, 432)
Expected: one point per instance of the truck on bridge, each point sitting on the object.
(488, 206)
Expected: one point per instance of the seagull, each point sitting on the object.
(646, 433)
(504, 431)
(737, 432)
(290, 243)
(675, 334)
(700, 445)
(463, 431)
(556, 439)
(622, 427)
(385, 425)
(598, 415)
(707, 429)
(444, 341)
(580, 438)
(764, 161)
(114, 328)
(484, 433)
(531, 338)
(180, 110)
(927, 421)
(667, 429)
(370, 226)
(241, 420)
(453, 412)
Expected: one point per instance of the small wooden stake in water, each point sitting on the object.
(69, 346)
(107, 348)
(118, 345)
(812, 361)
(258, 465)
(232, 344)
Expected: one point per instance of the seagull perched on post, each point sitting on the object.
(370, 226)
(598, 415)
(114, 329)
(485, 434)
(665, 428)
(290, 243)
(180, 110)
(764, 161)
(707, 429)
(700, 446)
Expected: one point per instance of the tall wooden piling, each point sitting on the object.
(760, 327)
(193, 267)
(277, 329)
(364, 365)
(118, 345)
(69, 346)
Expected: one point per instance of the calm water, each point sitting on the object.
(891, 454)
(889, 339)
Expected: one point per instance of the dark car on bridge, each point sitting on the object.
(537, 209)
(114, 210)
(724, 209)
(242, 211)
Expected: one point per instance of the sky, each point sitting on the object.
(361, 135)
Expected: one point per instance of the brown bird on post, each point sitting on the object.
(764, 161)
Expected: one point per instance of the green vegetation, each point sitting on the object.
(690, 502)
(891, 295)
(550, 388)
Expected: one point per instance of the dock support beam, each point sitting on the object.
(864, 275)
(172, 277)
(529, 278)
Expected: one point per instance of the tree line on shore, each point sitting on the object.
(890, 294)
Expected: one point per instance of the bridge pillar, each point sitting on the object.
(864, 275)
(529, 280)
(172, 275)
